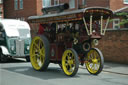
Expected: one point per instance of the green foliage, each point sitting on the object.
(124, 15)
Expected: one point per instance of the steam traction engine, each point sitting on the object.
(69, 38)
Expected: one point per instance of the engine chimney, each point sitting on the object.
(57, 8)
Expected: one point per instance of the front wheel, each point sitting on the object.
(70, 62)
(94, 61)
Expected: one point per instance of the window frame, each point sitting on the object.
(70, 4)
(125, 1)
(1, 1)
(46, 5)
(21, 4)
(116, 24)
(83, 2)
(15, 4)
(58, 1)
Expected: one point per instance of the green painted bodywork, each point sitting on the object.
(8, 42)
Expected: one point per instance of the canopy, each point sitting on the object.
(96, 12)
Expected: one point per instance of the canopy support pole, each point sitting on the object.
(106, 25)
(90, 24)
(56, 28)
(101, 30)
(86, 26)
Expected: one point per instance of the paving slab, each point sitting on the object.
(116, 68)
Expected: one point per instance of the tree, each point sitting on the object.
(124, 16)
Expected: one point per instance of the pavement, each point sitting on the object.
(116, 68)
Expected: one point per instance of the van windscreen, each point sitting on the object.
(24, 33)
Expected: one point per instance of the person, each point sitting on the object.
(41, 29)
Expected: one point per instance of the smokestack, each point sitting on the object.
(58, 8)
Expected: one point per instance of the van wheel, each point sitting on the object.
(2, 57)
(27, 58)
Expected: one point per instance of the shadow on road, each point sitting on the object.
(12, 60)
(50, 73)
(24, 69)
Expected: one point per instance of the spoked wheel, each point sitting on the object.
(39, 53)
(70, 62)
(94, 61)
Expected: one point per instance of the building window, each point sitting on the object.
(72, 4)
(16, 4)
(46, 3)
(83, 2)
(125, 1)
(116, 23)
(21, 4)
(1, 1)
(56, 2)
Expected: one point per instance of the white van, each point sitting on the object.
(15, 39)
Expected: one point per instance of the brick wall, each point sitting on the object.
(114, 46)
(117, 4)
(29, 9)
(102, 3)
(39, 7)
(1, 6)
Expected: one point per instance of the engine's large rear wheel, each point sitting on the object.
(94, 61)
(39, 53)
(70, 62)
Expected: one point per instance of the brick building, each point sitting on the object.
(21, 9)
(1, 9)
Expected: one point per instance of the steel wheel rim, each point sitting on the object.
(93, 61)
(68, 62)
(37, 53)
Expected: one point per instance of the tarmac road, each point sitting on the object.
(19, 72)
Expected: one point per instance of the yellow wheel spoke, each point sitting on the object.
(36, 45)
(34, 59)
(39, 44)
(97, 66)
(42, 58)
(92, 66)
(71, 69)
(94, 54)
(66, 64)
(42, 54)
(71, 62)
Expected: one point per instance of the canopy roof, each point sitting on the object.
(96, 12)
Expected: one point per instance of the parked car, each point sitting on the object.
(15, 39)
